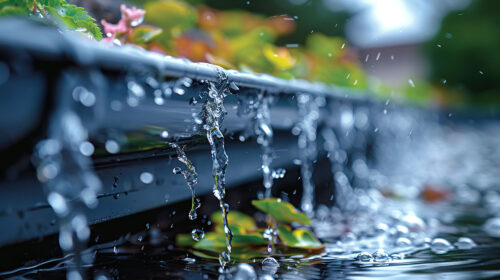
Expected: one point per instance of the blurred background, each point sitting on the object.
(431, 52)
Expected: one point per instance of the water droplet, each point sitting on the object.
(137, 21)
(233, 88)
(179, 91)
(85, 97)
(403, 242)
(187, 82)
(270, 265)
(189, 260)
(380, 256)
(177, 170)
(58, 203)
(440, 246)
(159, 100)
(279, 173)
(146, 177)
(465, 243)
(135, 89)
(164, 134)
(412, 84)
(86, 148)
(365, 257)
(245, 271)
(112, 146)
(397, 256)
(492, 227)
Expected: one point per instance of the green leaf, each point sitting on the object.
(234, 218)
(73, 17)
(216, 242)
(184, 240)
(281, 211)
(144, 34)
(15, 7)
(299, 238)
(237, 254)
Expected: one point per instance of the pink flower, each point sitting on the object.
(120, 27)
(130, 18)
(133, 15)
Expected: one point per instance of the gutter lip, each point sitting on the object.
(44, 42)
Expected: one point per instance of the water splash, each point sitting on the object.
(213, 115)
(71, 185)
(306, 128)
(190, 176)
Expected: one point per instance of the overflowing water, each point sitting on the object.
(213, 115)
(64, 168)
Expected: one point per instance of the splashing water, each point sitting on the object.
(309, 114)
(71, 185)
(213, 115)
(190, 176)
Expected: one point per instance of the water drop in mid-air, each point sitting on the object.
(197, 234)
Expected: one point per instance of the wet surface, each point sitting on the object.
(146, 259)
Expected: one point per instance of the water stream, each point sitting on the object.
(64, 168)
(190, 176)
(213, 115)
(308, 111)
